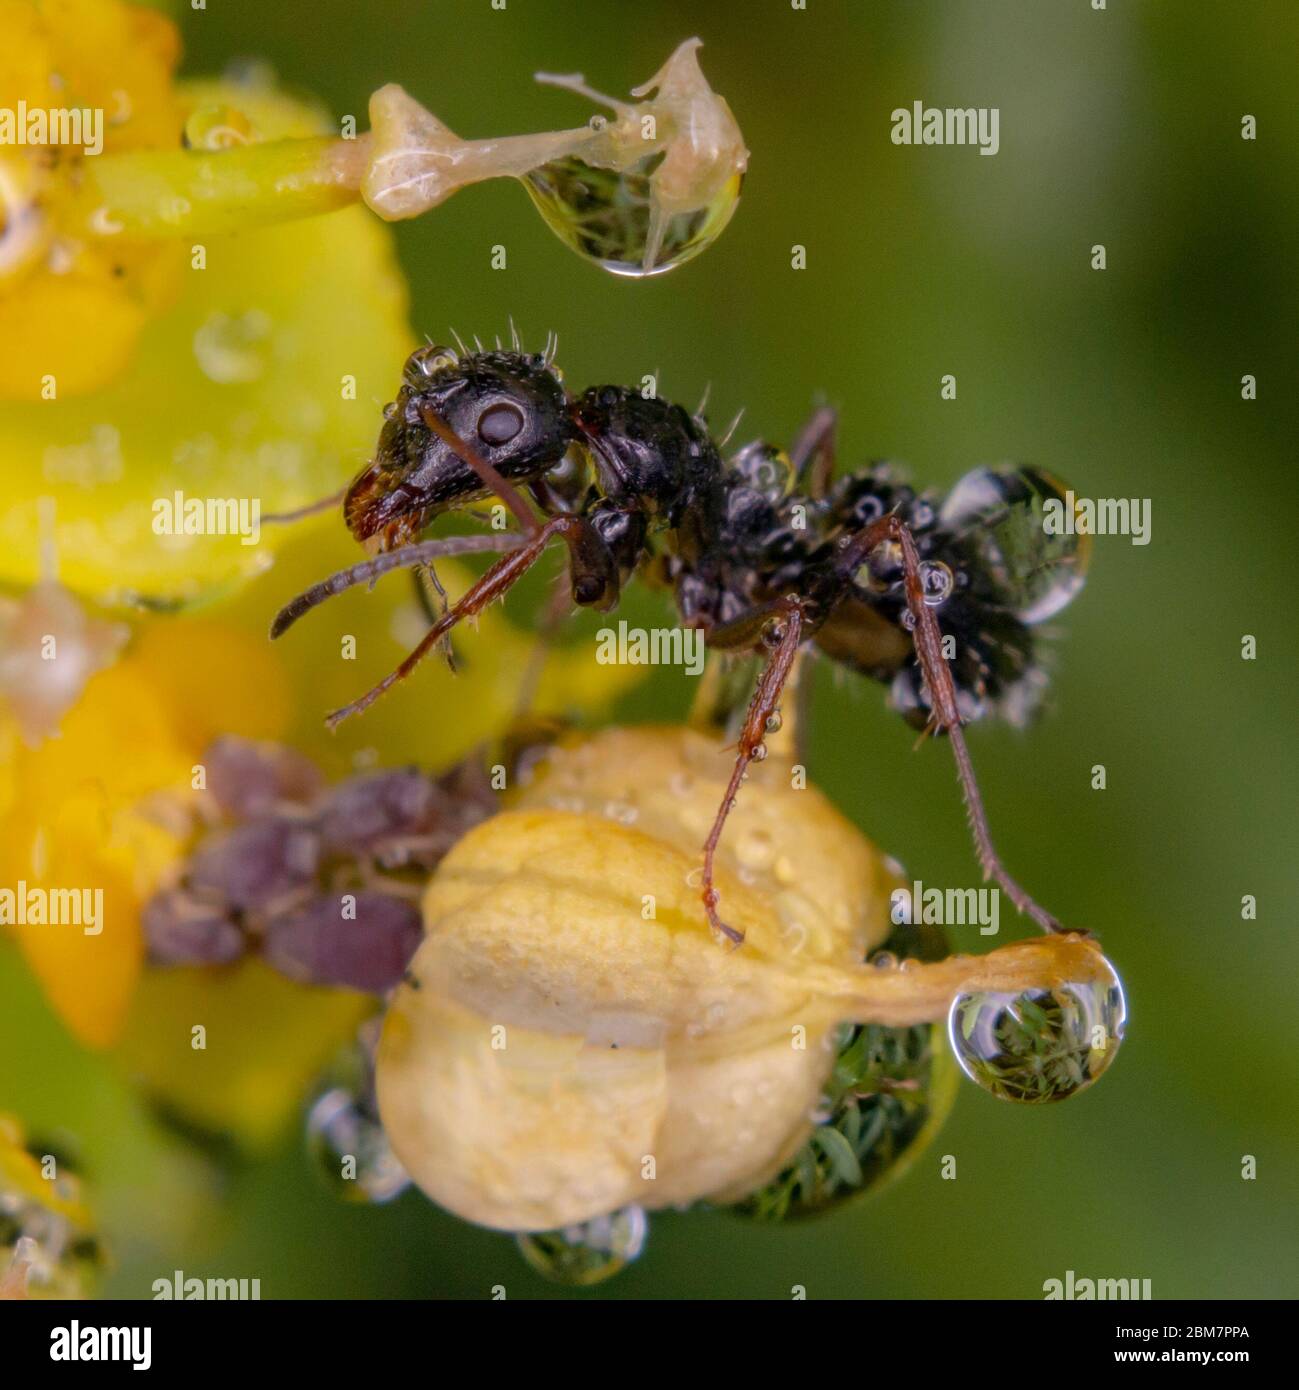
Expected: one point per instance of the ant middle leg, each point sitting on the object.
(944, 712)
(776, 627)
(593, 576)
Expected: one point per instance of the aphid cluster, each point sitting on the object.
(322, 882)
(765, 551)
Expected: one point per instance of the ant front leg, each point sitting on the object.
(594, 577)
(944, 712)
(778, 628)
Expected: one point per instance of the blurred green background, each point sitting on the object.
(1119, 127)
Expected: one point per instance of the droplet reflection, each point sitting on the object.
(610, 218)
(1041, 1045)
(589, 1253)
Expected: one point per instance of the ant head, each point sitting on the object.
(509, 408)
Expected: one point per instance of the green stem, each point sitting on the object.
(155, 194)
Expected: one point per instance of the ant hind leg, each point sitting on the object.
(944, 711)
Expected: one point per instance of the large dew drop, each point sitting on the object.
(1030, 546)
(1040, 1045)
(612, 219)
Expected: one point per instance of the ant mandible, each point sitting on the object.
(764, 551)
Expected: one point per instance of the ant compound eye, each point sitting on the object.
(936, 581)
(498, 424)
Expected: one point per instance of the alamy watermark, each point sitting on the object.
(179, 515)
(1072, 1287)
(947, 907)
(54, 907)
(53, 125)
(1098, 516)
(77, 1343)
(193, 1289)
(655, 646)
(919, 124)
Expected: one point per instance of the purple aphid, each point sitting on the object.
(249, 779)
(257, 865)
(363, 812)
(180, 929)
(363, 941)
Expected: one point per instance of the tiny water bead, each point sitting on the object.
(589, 1253)
(1042, 1044)
(937, 581)
(217, 126)
(350, 1150)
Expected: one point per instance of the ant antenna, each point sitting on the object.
(322, 505)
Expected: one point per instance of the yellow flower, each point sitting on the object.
(93, 55)
(228, 366)
(84, 810)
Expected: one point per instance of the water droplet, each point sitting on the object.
(610, 218)
(759, 753)
(350, 1150)
(756, 849)
(936, 581)
(1043, 1044)
(217, 127)
(231, 348)
(588, 1253)
(884, 960)
(1034, 556)
(774, 722)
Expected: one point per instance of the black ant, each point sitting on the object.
(763, 551)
